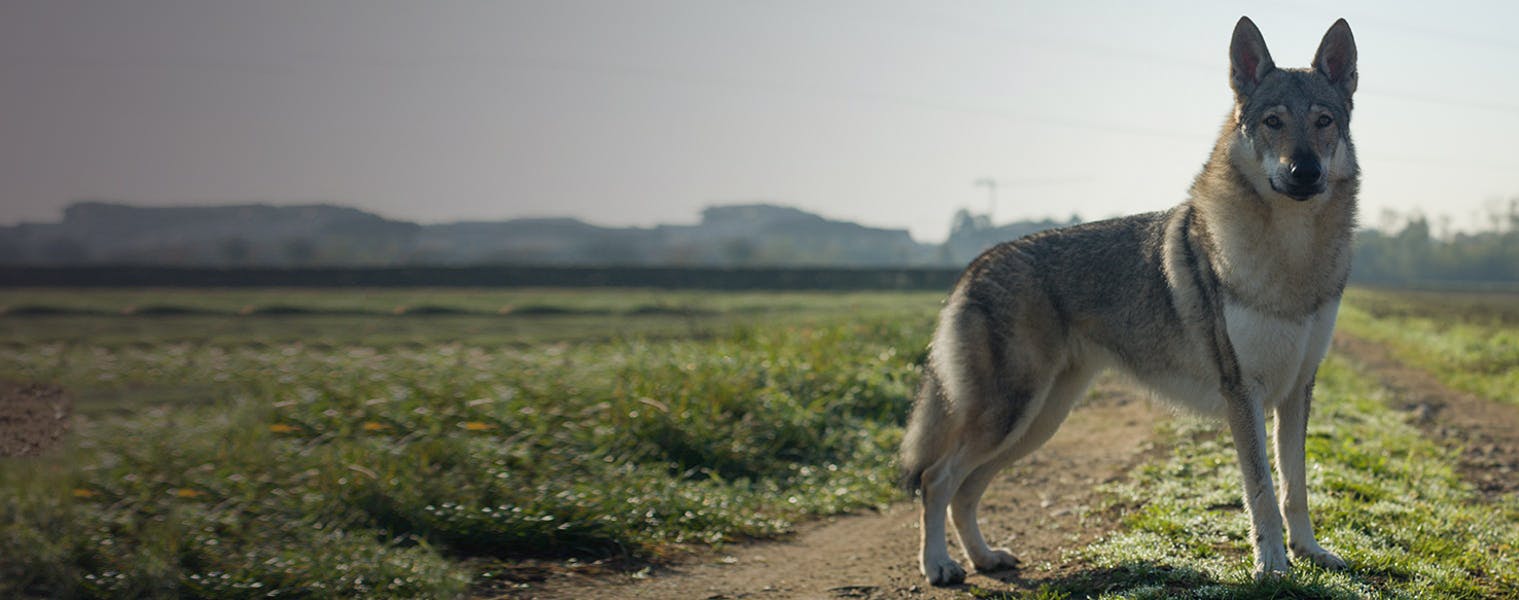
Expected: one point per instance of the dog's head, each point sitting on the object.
(1292, 125)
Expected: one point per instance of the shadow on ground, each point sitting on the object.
(1148, 579)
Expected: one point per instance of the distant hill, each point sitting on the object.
(104, 233)
(253, 234)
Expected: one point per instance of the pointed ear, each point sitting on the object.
(1336, 57)
(1249, 61)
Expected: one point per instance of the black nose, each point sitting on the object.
(1305, 170)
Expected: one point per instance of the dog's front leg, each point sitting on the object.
(1291, 464)
(1247, 424)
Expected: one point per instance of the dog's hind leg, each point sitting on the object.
(962, 354)
(994, 383)
(939, 484)
(962, 511)
(942, 483)
(1057, 403)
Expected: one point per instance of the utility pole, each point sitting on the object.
(991, 189)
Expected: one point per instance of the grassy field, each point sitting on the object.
(407, 443)
(215, 450)
(1470, 341)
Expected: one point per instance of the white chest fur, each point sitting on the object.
(1277, 355)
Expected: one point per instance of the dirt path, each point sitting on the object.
(1039, 508)
(1486, 432)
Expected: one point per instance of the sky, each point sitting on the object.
(637, 113)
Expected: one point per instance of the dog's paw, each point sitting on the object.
(1271, 563)
(944, 572)
(1264, 573)
(999, 559)
(1319, 556)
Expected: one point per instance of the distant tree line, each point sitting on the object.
(1416, 254)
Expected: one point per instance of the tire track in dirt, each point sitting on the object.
(1039, 508)
(1486, 432)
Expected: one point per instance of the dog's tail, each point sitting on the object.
(923, 442)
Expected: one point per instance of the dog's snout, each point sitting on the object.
(1305, 169)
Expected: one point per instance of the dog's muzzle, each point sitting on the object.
(1304, 180)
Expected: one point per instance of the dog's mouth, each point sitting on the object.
(1301, 193)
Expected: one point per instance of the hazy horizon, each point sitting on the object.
(623, 114)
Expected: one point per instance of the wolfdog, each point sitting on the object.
(1223, 304)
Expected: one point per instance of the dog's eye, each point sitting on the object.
(1325, 120)
(1273, 122)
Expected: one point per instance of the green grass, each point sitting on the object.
(213, 467)
(1383, 497)
(1468, 341)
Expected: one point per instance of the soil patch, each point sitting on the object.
(33, 418)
